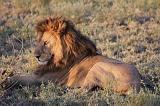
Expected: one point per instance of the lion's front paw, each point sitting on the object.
(6, 78)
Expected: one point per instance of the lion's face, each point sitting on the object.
(43, 49)
(48, 48)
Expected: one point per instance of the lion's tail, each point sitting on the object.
(147, 84)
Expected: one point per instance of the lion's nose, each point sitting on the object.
(37, 57)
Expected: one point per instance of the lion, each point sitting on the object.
(67, 57)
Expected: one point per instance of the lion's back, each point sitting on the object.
(101, 71)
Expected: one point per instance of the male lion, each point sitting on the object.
(67, 57)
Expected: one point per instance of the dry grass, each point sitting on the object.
(128, 30)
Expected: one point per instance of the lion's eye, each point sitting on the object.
(45, 43)
(55, 28)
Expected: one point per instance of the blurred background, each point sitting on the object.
(127, 30)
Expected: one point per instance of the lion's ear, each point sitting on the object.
(49, 21)
(64, 25)
(60, 25)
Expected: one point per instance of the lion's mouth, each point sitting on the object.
(45, 61)
(42, 62)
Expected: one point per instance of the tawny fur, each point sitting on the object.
(73, 60)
